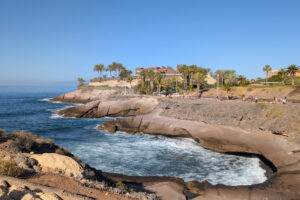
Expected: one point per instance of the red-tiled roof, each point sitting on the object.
(139, 68)
(162, 70)
(152, 67)
(166, 70)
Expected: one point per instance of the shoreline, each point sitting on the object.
(234, 141)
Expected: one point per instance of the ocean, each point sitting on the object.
(143, 155)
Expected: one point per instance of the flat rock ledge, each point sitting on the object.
(283, 155)
(114, 108)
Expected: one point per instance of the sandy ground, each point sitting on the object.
(71, 185)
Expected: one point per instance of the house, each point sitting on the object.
(171, 73)
(275, 72)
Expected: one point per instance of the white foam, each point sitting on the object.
(145, 156)
(55, 111)
(45, 99)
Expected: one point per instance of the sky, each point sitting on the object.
(53, 42)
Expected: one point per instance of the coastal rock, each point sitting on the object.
(273, 148)
(167, 190)
(55, 163)
(99, 108)
(84, 95)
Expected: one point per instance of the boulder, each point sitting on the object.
(60, 164)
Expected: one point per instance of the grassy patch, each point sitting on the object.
(261, 105)
(272, 113)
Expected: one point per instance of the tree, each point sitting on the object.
(119, 68)
(110, 68)
(124, 74)
(143, 76)
(183, 69)
(241, 80)
(158, 81)
(129, 80)
(291, 70)
(151, 77)
(113, 67)
(192, 69)
(80, 82)
(282, 73)
(199, 79)
(99, 68)
(267, 69)
(227, 88)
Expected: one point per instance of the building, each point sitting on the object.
(275, 72)
(138, 71)
(165, 72)
(171, 73)
(210, 80)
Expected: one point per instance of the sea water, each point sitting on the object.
(143, 155)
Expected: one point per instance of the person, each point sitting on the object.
(284, 100)
(256, 99)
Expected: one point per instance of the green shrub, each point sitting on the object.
(9, 168)
(122, 186)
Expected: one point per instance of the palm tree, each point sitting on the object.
(267, 69)
(227, 88)
(143, 76)
(80, 82)
(129, 80)
(291, 70)
(151, 77)
(99, 68)
(191, 70)
(110, 68)
(199, 79)
(113, 67)
(183, 69)
(241, 80)
(282, 73)
(158, 81)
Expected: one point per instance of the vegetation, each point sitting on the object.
(225, 76)
(9, 168)
(282, 73)
(227, 88)
(99, 68)
(261, 105)
(272, 113)
(122, 186)
(291, 70)
(199, 79)
(192, 77)
(267, 69)
(80, 82)
(26, 142)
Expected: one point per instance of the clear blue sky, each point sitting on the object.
(55, 41)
